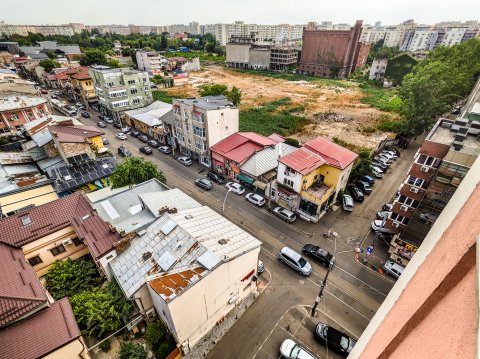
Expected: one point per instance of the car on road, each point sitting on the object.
(295, 260)
(108, 120)
(364, 186)
(146, 150)
(124, 152)
(393, 269)
(185, 160)
(165, 150)
(285, 214)
(235, 187)
(318, 254)
(153, 143)
(105, 141)
(58, 93)
(334, 339)
(44, 90)
(143, 138)
(101, 124)
(347, 203)
(369, 179)
(79, 105)
(428, 217)
(216, 177)
(356, 193)
(377, 172)
(260, 267)
(291, 350)
(383, 214)
(54, 97)
(255, 199)
(377, 226)
(204, 183)
(387, 207)
(85, 114)
(121, 136)
(134, 133)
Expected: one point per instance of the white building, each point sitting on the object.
(453, 36)
(393, 37)
(149, 61)
(377, 71)
(420, 40)
(288, 33)
(202, 122)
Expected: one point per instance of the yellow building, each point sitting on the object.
(83, 88)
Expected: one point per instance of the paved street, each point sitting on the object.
(354, 292)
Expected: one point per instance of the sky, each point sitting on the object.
(162, 12)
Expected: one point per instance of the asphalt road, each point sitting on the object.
(353, 292)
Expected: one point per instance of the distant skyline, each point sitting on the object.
(153, 12)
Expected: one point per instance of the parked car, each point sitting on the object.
(377, 226)
(394, 149)
(101, 124)
(204, 183)
(456, 110)
(134, 133)
(105, 141)
(369, 179)
(377, 172)
(347, 203)
(387, 207)
(334, 339)
(185, 160)
(383, 214)
(393, 269)
(285, 214)
(58, 93)
(54, 97)
(153, 143)
(101, 117)
(364, 186)
(121, 136)
(117, 125)
(109, 120)
(143, 138)
(393, 154)
(125, 129)
(216, 177)
(79, 105)
(85, 114)
(260, 267)
(124, 152)
(44, 90)
(235, 187)
(291, 350)
(428, 217)
(319, 254)
(356, 193)
(295, 260)
(381, 165)
(165, 149)
(383, 160)
(255, 199)
(146, 150)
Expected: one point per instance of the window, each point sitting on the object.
(77, 242)
(415, 181)
(26, 221)
(288, 182)
(428, 161)
(136, 101)
(396, 217)
(57, 250)
(133, 92)
(110, 84)
(408, 201)
(131, 82)
(35, 260)
(14, 117)
(289, 171)
(199, 131)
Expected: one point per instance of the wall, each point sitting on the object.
(73, 149)
(143, 298)
(73, 350)
(97, 141)
(35, 196)
(220, 124)
(238, 53)
(107, 258)
(296, 178)
(259, 58)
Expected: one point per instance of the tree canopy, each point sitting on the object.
(129, 350)
(49, 64)
(93, 57)
(134, 170)
(234, 95)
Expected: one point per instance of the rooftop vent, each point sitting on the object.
(188, 216)
(457, 146)
(146, 255)
(223, 241)
(26, 221)
(446, 124)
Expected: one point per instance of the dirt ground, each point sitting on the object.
(351, 119)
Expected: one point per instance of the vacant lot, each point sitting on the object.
(330, 108)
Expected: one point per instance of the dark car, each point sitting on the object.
(380, 165)
(85, 114)
(369, 179)
(216, 177)
(143, 138)
(318, 254)
(356, 193)
(153, 143)
(364, 186)
(117, 125)
(456, 110)
(101, 117)
(101, 124)
(124, 152)
(165, 149)
(134, 133)
(146, 150)
(204, 183)
(334, 339)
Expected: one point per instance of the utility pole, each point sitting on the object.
(322, 287)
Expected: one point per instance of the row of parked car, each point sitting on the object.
(382, 161)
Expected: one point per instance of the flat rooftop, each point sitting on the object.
(446, 136)
(208, 102)
(13, 102)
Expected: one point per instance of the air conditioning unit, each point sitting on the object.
(404, 208)
(414, 190)
(424, 169)
(67, 242)
(396, 224)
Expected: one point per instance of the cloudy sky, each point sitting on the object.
(162, 12)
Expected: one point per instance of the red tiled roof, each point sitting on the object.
(302, 160)
(335, 155)
(50, 77)
(45, 219)
(82, 74)
(241, 145)
(228, 144)
(96, 234)
(40, 333)
(76, 134)
(243, 152)
(20, 290)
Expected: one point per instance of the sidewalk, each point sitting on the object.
(378, 256)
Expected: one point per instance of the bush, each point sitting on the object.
(155, 333)
(163, 351)
(292, 142)
(105, 346)
(162, 96)
(128, 350)
(383, 99)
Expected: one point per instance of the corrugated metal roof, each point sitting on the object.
(335, 155)
(151, 114)
(266, 159)
(302, 160)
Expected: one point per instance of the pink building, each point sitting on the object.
(15, 111)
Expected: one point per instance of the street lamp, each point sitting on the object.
(225, 200)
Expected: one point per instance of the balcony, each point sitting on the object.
(318, 193)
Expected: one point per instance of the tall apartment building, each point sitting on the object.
(422, 39)
(115, 29)
(52, 30)
(202, 122)
(332, 53)
(440, 165)
(149, 61)
(288, 33)
(120, 89)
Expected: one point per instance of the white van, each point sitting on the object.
(394, 269)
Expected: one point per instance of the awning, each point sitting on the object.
(245, 179)
(260, 185)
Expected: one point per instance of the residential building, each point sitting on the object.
(32, 325)
(150, 120)
(440, 165)
(14, 85)
(115, 29)
(10, 46)
(377, 70)
(120, 89)
(202, 122)
(17, 110)
(6, 58)
(82, 86)
(332, 53)
(150, 62)
(392, 71)
(286, 33)
(434, 303)
(52, 30)
(310, 178)
(45, 46)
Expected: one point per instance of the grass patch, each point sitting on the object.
(351, 147)
(386, 124)
(205, 57)
(163, 96)
(383, 99)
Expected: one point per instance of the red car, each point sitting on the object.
(44, 91)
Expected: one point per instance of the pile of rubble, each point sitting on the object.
(331, 117)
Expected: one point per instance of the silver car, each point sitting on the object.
(184, 160)
(255, 199)
(285, 214)
(295, 261)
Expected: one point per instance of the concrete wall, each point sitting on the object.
(296, 178)
(259, 58)
(107, 258)
(238, 53)
(73, 149)
(73, 350)
(35, 196)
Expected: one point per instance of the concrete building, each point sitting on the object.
(377, 70)
(149, 61)
(432, 310)
(82, 87)
(120, 89)
(202, 122)
(52, 30)
(332, 53)
(150, 120)
(286, 33)
(15, 111)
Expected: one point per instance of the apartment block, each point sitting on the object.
(149, 61)
(16, 111)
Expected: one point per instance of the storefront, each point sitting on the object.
(246, 181)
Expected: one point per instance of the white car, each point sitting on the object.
(428, 217)
(291, 350)
(377, 172)
(255, 199)
(185, 160)
(391, 154)
(377, 227)
(121, 136)
(235, 187)
(383, 214)
(79, 105)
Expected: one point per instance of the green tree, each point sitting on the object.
(69, 277)
(134, 170)
(234, 95)
(155, 333)
(163, 42)
(128, 350)
(210, 46)
(163, 350)
(49, 64)
(213, 90)
(93, 57)
(362, 164)
(114, 63)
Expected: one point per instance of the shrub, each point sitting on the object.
(128, 350)
(163, 350)
(155, 333)
(105, 346)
